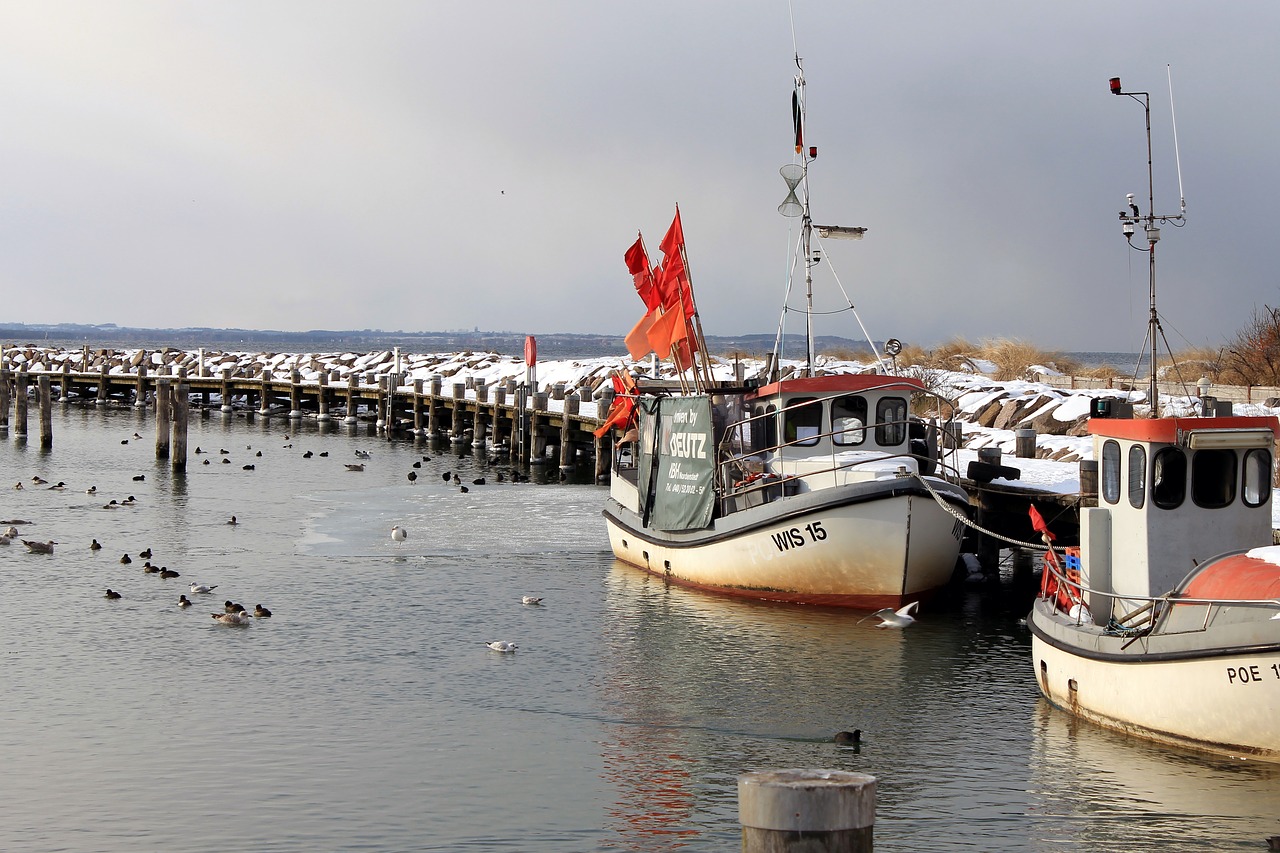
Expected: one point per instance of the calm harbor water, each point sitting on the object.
(367, 714)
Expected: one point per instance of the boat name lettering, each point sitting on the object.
(690, 445)
(1248, 674)
(794, 537)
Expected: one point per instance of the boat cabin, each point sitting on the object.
(1173, 492)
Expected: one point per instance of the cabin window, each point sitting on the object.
(848, 419)
(1213, 478)
(1257, 477)
(891, 421)
(1137, 476)
(802, 422)
(1169, 478)
(1111, 472)
(765, 428)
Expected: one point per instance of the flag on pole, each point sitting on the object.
(637, 340)
(642, 273)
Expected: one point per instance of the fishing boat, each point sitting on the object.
(1165, 622)
(796, 487)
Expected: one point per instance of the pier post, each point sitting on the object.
(84, 359)
(417, 407)
(566, 446)
(604, 452)
(181, 401)
(352, 379)
(46, 412)
(164, 404)
(1025, 444)
(383, 398)
(264, 396)
(20, 404)
(5, 379)
(226, 389)
(478, 425)
(988, 547)
(322, 394)
(140, 392)
(65, 388)
(459, 400)
(295, 394)
(537, 441)
(433, 406)
(102, 384)
(815, 811)
(499, 398)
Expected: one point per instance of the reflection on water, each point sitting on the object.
(367, 712)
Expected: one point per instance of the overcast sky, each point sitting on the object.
(431, 165)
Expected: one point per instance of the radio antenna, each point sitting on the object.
(1177, 158)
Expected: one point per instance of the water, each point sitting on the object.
(368, 715)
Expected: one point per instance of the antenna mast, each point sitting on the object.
(1131, 217)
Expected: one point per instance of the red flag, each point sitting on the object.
(622, 411)
(641, 273)
(673, 242)
(637, 339)
(1038, 523)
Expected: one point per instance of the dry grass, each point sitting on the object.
(1201, 361)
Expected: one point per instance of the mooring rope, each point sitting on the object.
(964, 519)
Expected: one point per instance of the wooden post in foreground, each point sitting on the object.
(181, 417)
(4, 398)
(46, 412)
(817, 811)
(164, 396)
(20, 404)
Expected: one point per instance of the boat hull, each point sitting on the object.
(1209, 692)
(837, 547)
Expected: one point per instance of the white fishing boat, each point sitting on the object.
(820, 489)
(1165, 622)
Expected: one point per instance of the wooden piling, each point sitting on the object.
(140, 390)
(1025, 444)
(46, 411)
(603, 446)
(5, 379)
(537, 440)
(20, 404)
(264, 395)
(478, 424)
(433, 410)
(352, 379)
(499, 398)
(417, 407)
(103, 390)
(225, 391)
(181, 402)
(64, 389)
(295, 394)
(566, 445)
(322, 398)
(815, 811)
(459, 396)
(164, 405)
(380, 404)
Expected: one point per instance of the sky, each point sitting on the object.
(425, 166)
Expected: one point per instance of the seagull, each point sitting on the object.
(399, 534)
(183, 601)
(111, 594)
(359, 466)
(6, 539)
(199, 587)
(261, 612)
(529, 599)
(502, 646)
(12, 532)
(39, 547)
(900, 618)
(231, 618)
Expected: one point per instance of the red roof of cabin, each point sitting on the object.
(1165, 430)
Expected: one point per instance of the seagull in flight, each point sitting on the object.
(900, 618)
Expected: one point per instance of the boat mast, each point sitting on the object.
(1129, 219)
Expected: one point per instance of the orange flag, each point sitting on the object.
(637, 339)
(668, 329)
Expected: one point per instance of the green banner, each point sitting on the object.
(677, 464)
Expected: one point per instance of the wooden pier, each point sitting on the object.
(534, 425)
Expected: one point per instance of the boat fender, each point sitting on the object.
(985, 472)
